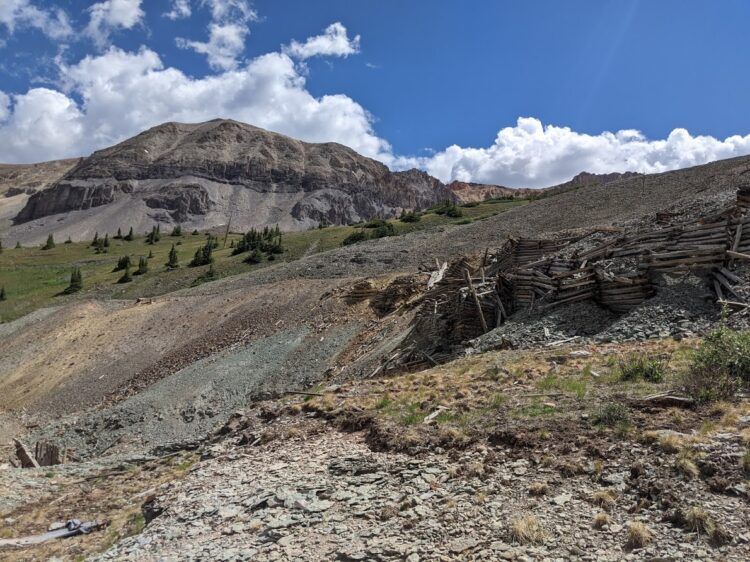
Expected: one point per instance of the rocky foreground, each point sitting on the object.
(543, 455)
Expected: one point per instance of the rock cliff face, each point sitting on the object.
(472, 192)
(201, 174)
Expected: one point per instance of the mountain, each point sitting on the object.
(467, 192)
(587, 179)
(19, 181)
(204, 175)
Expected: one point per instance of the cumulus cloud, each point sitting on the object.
(23, 13)
(111, 15)
(226, 33)
(333, 42)
(533, 155)
(180, 9)
(225, 43)
(122, 93)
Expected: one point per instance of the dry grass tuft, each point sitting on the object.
(601, 520)
(687, 468)
(606, 499)
(538, 489)
(528, 530)
(639, 535)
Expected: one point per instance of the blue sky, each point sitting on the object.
(520, 93)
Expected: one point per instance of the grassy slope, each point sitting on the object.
(33, 278)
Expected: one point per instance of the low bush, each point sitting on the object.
(641, 367)
(355, 237)
(720, 366)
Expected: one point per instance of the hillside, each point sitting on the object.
(176, 353)
(204, 175)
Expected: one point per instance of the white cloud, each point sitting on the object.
(4, 106)
(226, 33)
(225, 44)
(236, 10)
(180, 9)
(333, 42)
(22, 13)
(533, 155)
(111, 15)
(124, 93)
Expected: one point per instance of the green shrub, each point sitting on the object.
(720, 366)
(641, 367)
(464, 221)
(355, 237)
(411, 216)
(375, 223)
(385, 229)
(612, 414)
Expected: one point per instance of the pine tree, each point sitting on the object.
(195, 232)
(122, 263)
(150, 254)
(1, 246)
(129, 236)
(126, 278)
(95, 241)
(18, 246)
(173, 262)
(2, 294)
(76, 282)
(255, 257)
(154, 236)
(50, 243)
(203, 255)
(69, 241)
(106, 241)
(142, 266)
(118, 236)
(177, 231)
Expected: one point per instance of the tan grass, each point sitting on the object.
(528, 530)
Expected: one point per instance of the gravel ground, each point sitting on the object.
(187, 405)
(328, 497)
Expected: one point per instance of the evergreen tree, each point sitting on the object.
(142, 266)
(69, 241)
(95, 241)
(154, 236)
(173, 262)
(126, 278)
(203, 255)
(255, 257)
(76, 282)
(106, 241)
(211, 273)
(195, 232)
(177, 231)
(18, 246)
(2, 294)
(129, 236)
(1, 246)
(118, 236)
(50, 243)
(150, 254)
(122, 263)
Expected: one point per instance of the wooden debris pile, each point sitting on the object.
(45, 454)
(470, 297)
